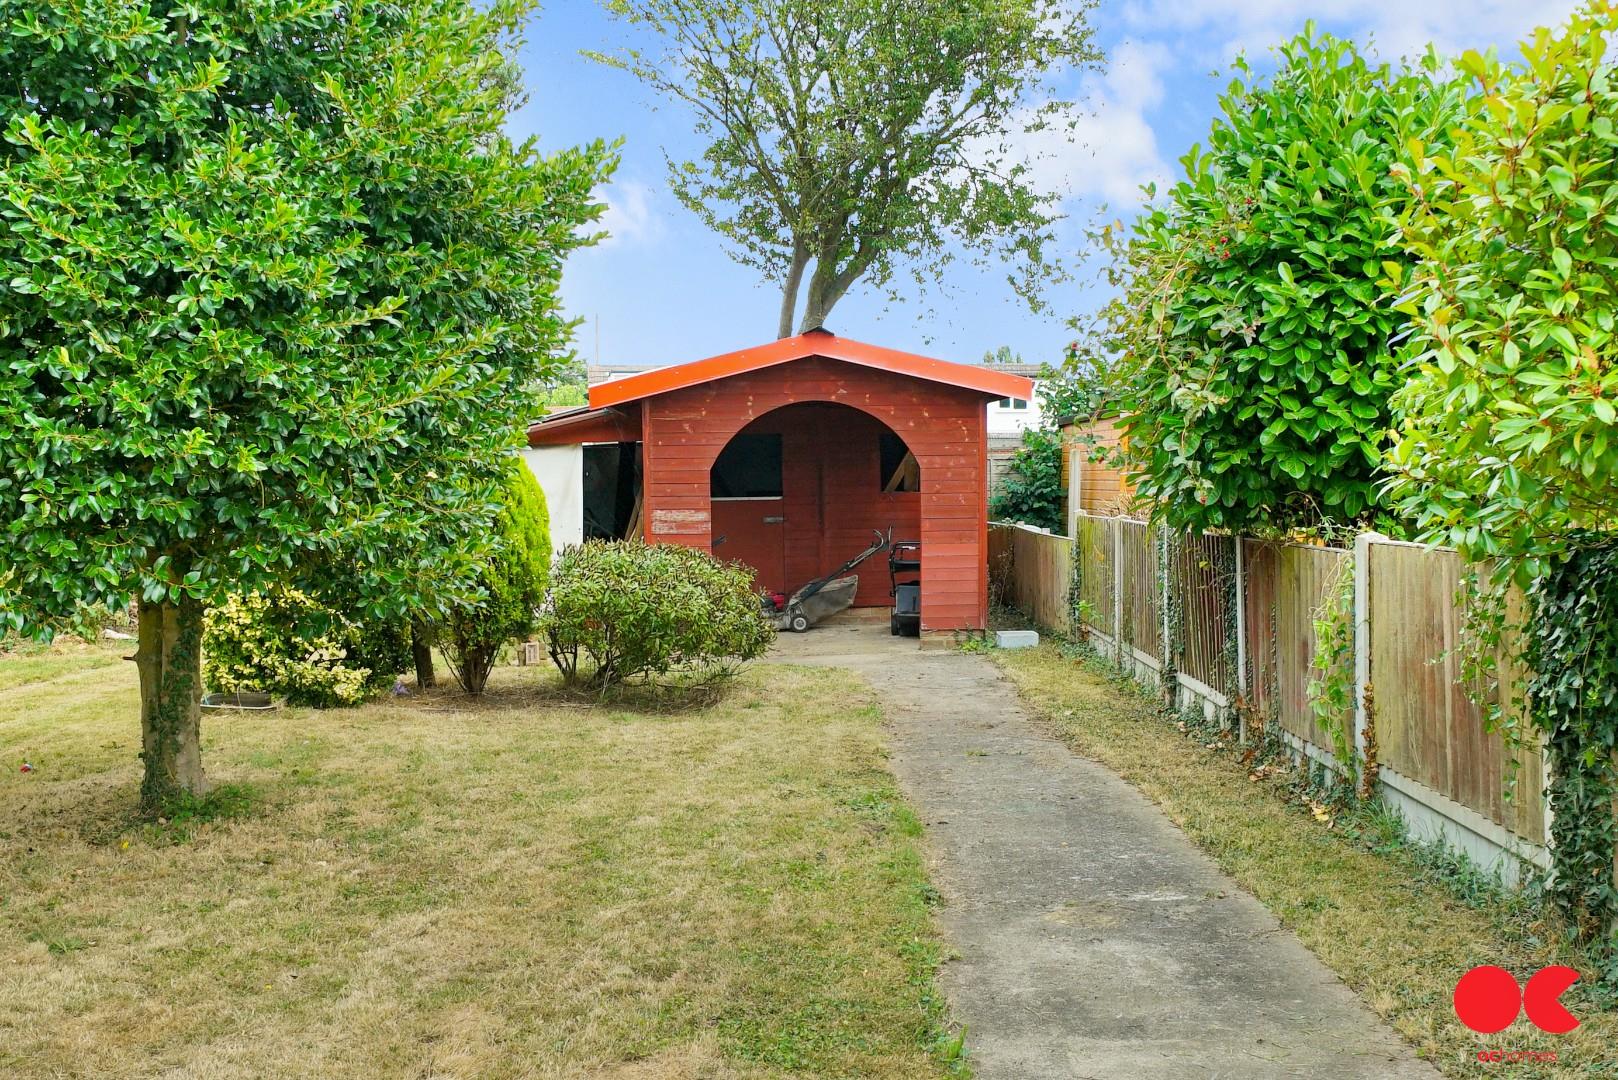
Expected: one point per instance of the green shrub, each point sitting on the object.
(1254, 362)
(287, 643)
(1506, 421)
(623, 610)
(513, 585)
(1030, 488)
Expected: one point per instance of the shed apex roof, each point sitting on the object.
(986, 381)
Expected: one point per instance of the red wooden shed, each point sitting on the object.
(788, 455)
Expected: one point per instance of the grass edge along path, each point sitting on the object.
(1368, 905)
(523, 886)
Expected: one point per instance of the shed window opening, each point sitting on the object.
(900, 470)
(749, 467)
(1011, 403)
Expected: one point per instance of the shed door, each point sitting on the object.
(753, 531)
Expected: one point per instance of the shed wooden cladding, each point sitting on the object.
(832, 500)
(829, 399)
(684, 430)
(1426, 725)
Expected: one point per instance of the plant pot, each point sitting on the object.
(245, 700)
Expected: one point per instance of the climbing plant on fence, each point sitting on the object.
(1573, 651)
(1331, 680)
(1255, 372)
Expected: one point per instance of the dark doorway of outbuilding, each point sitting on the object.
(611, 490)
(802, 488)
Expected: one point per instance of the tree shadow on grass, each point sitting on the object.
(105, 811)
(514, 689)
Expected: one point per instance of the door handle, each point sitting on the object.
(774, 519)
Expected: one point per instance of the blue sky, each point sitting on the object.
(663, 290)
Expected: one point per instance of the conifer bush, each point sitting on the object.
(512, 583)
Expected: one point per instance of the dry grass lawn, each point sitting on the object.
(436, 888)
(1378, 919)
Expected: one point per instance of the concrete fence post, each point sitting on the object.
(1239, 596)
(1165, 620)
(1362, 633)
(1118, 592)
(1240, 591)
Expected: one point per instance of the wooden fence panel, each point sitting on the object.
(1427, 726)
(1285, 585)
(1042, 568)
(1000, 564)
(1096, 551)
(1204, 568)
(1142, 587)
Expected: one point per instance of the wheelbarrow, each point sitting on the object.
(824, 596)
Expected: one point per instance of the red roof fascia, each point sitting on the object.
(585, 425)
(987, 381)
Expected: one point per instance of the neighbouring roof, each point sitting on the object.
(985, 380)
(1030, 370)
(596, 373)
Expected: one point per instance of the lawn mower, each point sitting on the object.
(823, 597)
(904, 574)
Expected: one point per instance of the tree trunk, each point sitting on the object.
(169, 657)
(789, 291)
(819, 303)
(827, 286)
(421, 651)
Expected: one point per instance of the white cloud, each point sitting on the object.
(632, 215)
(1118, 143)
(1118, 148)
(1110, 150)
(1397, 27)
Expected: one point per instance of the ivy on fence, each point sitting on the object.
(1573, 653)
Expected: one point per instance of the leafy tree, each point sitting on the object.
(277, 285)
(1030, 488)
(1001, 356)
(859, 135)
(1507, 444)
(512, 586)
(1079, 387)
(1255, 366)
(1507, 440)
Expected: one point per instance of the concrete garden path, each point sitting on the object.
(1093, 938)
